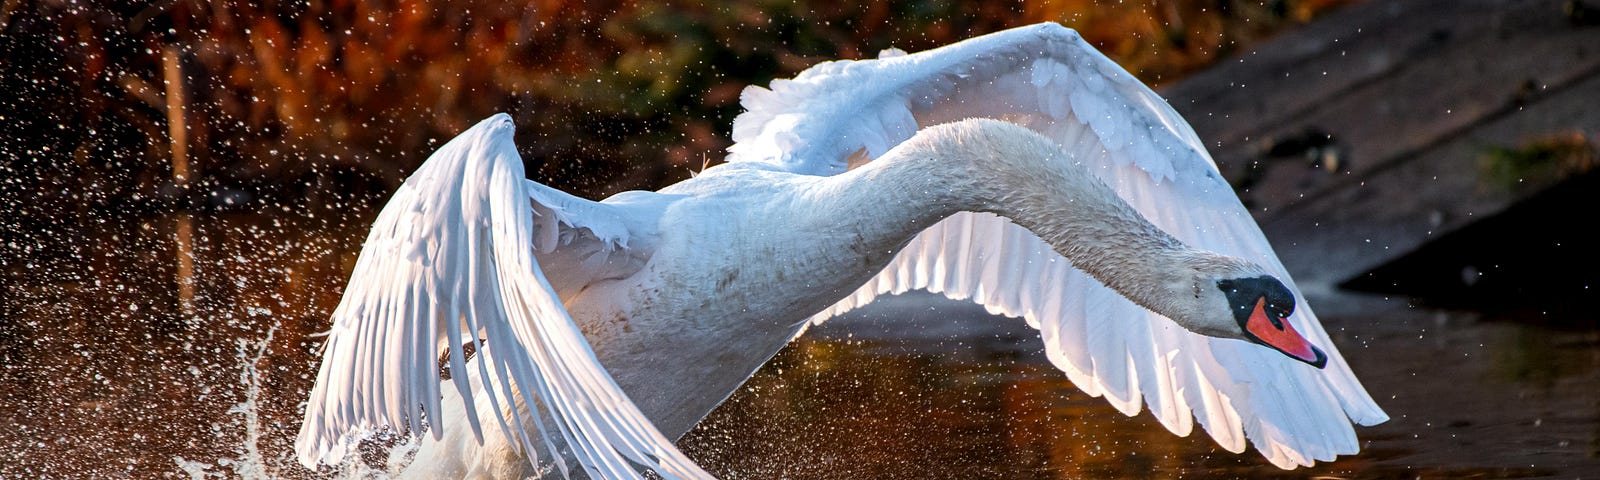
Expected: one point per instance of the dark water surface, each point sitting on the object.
(104, 375)
(924, 388)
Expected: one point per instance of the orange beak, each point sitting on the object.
(1280, 335)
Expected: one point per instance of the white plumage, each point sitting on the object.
(1100, 224)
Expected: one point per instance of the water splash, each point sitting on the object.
(250, 464)
(382, 455)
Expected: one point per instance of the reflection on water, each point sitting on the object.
(103, 376)
(890, 395)
(843, 409)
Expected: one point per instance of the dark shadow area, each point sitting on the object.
(1538, 256)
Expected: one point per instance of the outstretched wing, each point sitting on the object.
(451, 259)
(1045, 77)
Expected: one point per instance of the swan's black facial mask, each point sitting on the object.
(1260, 305)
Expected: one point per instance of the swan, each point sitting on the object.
(1022, 170)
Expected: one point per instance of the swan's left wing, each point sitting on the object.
(451, 259)
(1047, 78)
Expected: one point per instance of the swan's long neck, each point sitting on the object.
(1001, 168)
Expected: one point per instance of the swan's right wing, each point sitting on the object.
(451, 259)
(1048, 79)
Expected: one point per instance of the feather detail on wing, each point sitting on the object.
(1045, 77)
(451, 260)
(562, 217)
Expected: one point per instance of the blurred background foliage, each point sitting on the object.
(291, 103)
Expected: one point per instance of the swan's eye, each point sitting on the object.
(1264, 293)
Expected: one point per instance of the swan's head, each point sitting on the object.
(1260, 307)
(1238, 300)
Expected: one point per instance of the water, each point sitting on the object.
(896, 392)
(105, 376)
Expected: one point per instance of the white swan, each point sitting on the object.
(1092, 211)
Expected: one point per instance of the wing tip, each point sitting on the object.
(1374, 417)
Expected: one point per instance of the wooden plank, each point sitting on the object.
(1304, 68)
(1416, 74)
(1413, 93)
(1396, 208)
(1532, 54)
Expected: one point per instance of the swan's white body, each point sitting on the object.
(683, 293)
